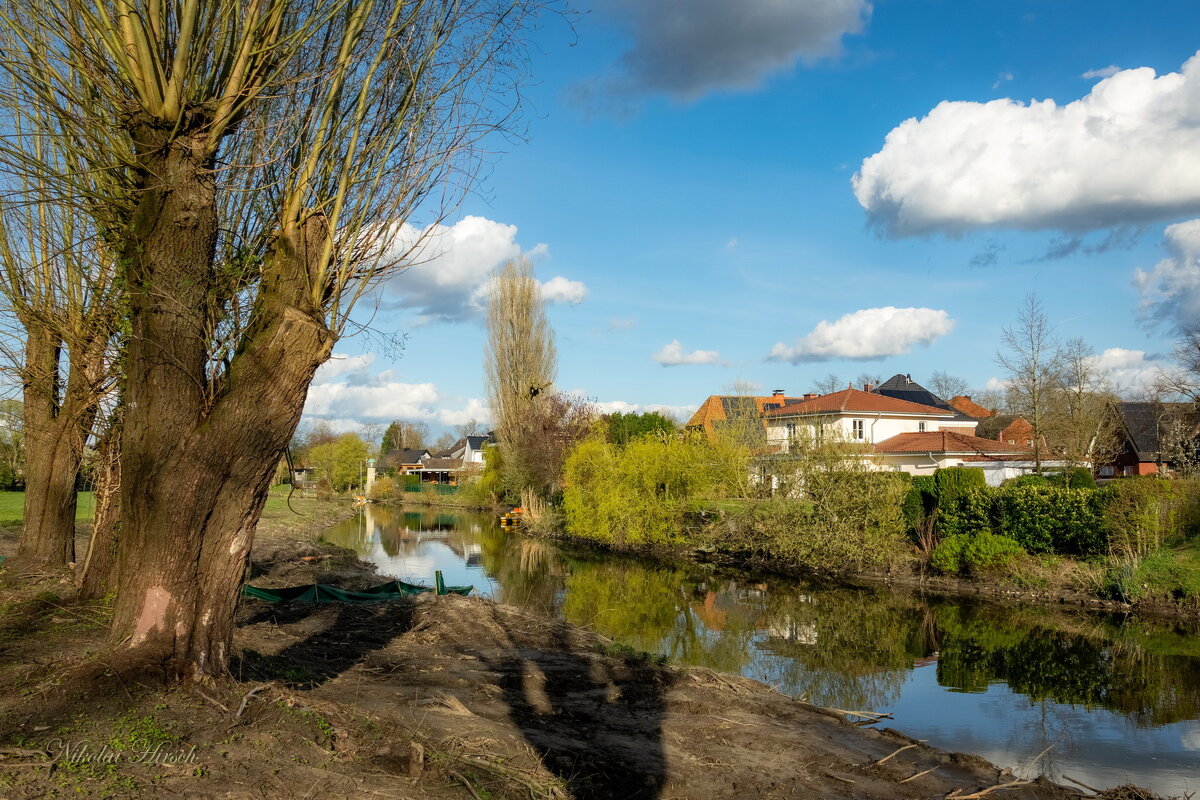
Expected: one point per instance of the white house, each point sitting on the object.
(856, 416)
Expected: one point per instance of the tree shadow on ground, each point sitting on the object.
(595, 722)
(346, 635)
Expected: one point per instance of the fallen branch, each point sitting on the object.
(247, 696)
(459, 777)
(896, 753)
(919, 774)
(1081, 783)
(984, 792)
(214, 701)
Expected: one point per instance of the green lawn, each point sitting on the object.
(12, 507)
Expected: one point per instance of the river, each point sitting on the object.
(1103, 698)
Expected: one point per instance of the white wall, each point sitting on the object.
(876, 428)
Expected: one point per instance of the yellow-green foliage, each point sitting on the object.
(383, 489)
(1142, 514)
(638, 495)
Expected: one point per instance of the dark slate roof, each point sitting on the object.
(476, 442)
(406, 456)
(903, 387)
(1142, 423)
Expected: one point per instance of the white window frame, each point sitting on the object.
(858, 429)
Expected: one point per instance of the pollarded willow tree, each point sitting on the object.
(270, 149)
(61, 310)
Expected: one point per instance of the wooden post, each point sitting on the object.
(438, 582)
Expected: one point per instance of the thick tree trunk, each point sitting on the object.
(56, 429)
(195, 469)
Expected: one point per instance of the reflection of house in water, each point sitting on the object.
(789, 630)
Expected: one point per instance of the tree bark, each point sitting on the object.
(195, 468)
(57, 424)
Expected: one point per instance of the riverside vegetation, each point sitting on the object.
(822, 509)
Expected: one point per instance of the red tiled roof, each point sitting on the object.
(1019, 431)
(969, 407)
(853, 400)
(713, 409)
(944, 442)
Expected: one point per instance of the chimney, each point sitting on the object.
(777, 393)
(811, 396)
(907, 380)
(967, 397)
(868, 387)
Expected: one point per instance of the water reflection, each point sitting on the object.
(1117, 699)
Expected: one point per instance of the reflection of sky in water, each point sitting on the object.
(1098, 747)
(730, 626)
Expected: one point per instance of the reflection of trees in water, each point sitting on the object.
(1148, 672)
(845, 648)
(530, 572)
(841, 647)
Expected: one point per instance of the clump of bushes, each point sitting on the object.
(382, 489)
(640, 494)
(1042, 519)
(974, 553)
(845, 520)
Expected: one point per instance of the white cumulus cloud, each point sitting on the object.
(560, 290)
(1171, 291)
(1129, 371)
(867, 334)
(345, 389)
(1128, 152)
(673, 354)
(451, 266)
(686, 48)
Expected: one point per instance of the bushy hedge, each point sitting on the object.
(951, 483)
(1042, 519)
(973, 553)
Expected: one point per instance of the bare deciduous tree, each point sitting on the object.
(1031, 359)
(946, 386)
(1082, 420)
(57, 286)
(268, 154)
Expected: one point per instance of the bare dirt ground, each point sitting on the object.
(438, 697)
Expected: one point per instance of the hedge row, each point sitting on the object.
(1041, 519)
(1131, 516)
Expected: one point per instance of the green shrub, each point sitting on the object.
(969, 512)
(951, 483)
(1042, 519)
(382, 489)
(1142, 514)
(974, 554)
(1027, 480)
(1079, 478)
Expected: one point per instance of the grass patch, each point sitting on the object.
(1169, 573)
(12, 507)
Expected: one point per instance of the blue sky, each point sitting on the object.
(688, 193)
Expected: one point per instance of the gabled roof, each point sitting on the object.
(1018, 431)
(945, 442)
(852, 401)
(723, 407)
(964, 403)
(903, 387)
(1143, 423)
(406, 456)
